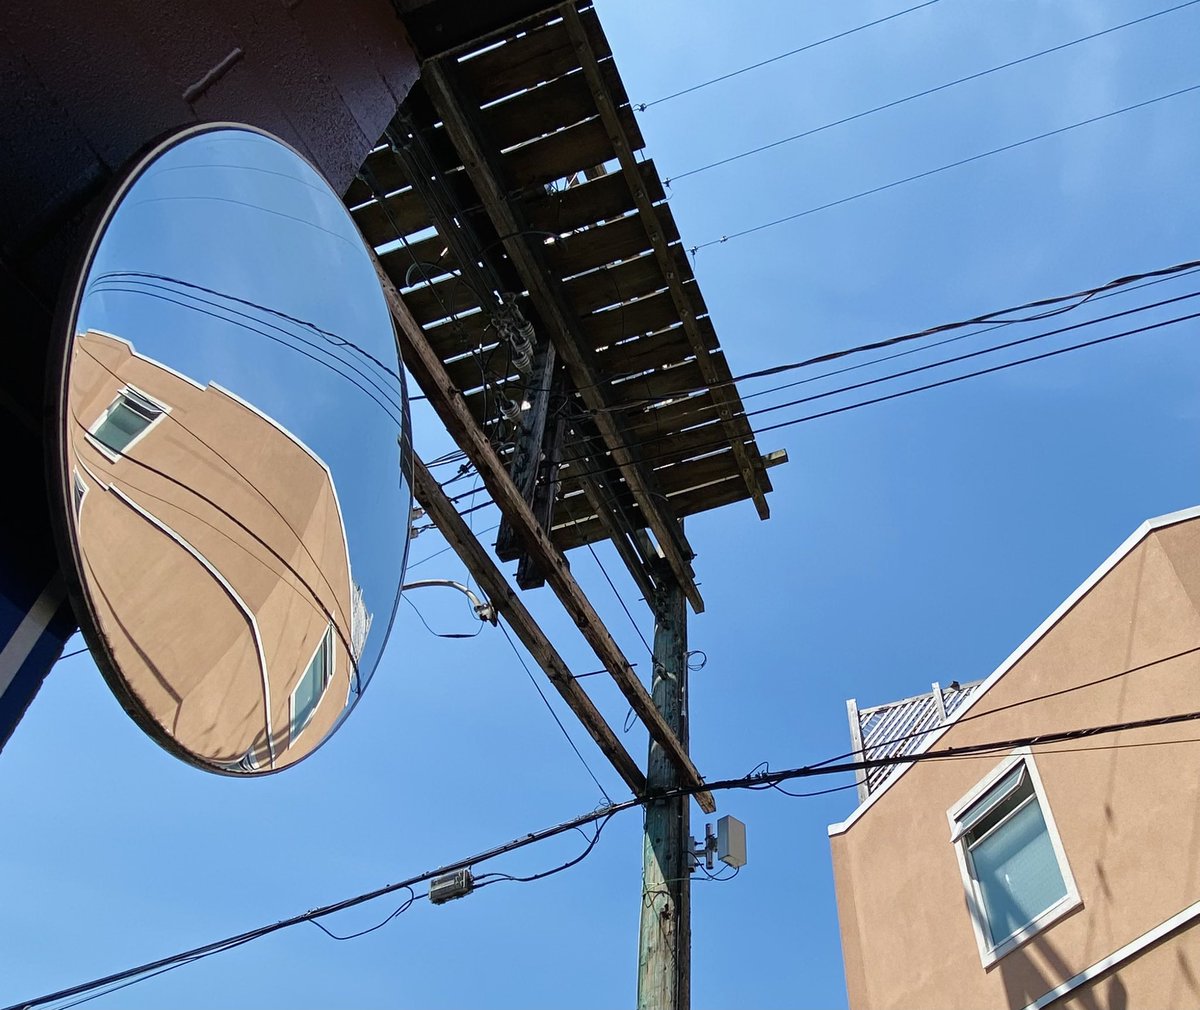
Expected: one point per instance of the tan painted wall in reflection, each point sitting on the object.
(1129, 818)
(261, 512)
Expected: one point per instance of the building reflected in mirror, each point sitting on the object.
(215, 555)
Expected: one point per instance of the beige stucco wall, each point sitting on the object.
(1129, 818)
(1161, 977)
(260, 509)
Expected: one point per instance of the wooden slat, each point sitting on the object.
(625, 144)
(406, 212)
(426, 368)
(427, 250)
(390, 174)
(656, 385)
(666, 347)
(483, 166)
(562, 154)
(610, 285)
(597, 200)
(693, 410)
(688, 503)
(542, 110)
(440, 300)
(465, 26)
(647, 315)
(540, 55)
(619, 240)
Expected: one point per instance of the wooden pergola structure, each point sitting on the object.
(546, 307)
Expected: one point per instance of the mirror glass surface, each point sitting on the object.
(232, 440)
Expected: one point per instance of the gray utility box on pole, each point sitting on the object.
(731, 841)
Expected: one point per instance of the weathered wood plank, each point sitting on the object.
(590, 202)
(542, 110)
(562, 154)
(618, 240)
(426, 368)
(610, 285)
(647, 315)
(625, 144)
(541, 54)
(483, 166)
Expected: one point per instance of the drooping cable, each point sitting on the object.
(760, 780)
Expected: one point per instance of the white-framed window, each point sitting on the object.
(126, 420)
(308, 691)
(1013, 865)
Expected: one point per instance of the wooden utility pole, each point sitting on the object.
(665, 944)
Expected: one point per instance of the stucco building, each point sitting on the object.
(1058, 875)
(190, 501)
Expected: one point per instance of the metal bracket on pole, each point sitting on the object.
(483, 608)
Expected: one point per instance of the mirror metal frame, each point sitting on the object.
(56, 443)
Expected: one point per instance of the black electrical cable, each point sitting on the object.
(335, 338)
(438, 553)
(942, 168)
(724, 441)
(554, 715)
(957, 720)
(971, 354)
(68, 655)
(439, 634)
(949, 340)
(149, 289)
(605, 813)
(496, 878)
(566, 503)
(241, 525)
(643, 106)
(976, 374)
(1065, 303)
(922, 94)
(404, 907)
(387, 407)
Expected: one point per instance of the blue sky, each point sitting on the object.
(912, 541)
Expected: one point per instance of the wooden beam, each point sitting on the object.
(545, 497)
(531, 436)
(427, 368)
(598, 488)
(482, 167)
(723, 395)
(508, 604)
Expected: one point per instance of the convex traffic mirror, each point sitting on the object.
(229, 452)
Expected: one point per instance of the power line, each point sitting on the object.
(643, 106)
(756, 780)
(923, 94)
(387, 407)
(1064, 303)
(723, 442)
(1008, 345)
(942, 168)
(607, 578)
(430, 557)
(1107, 679)
(549, 708)
(976, 374)
(939, 343)
(336, 338)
